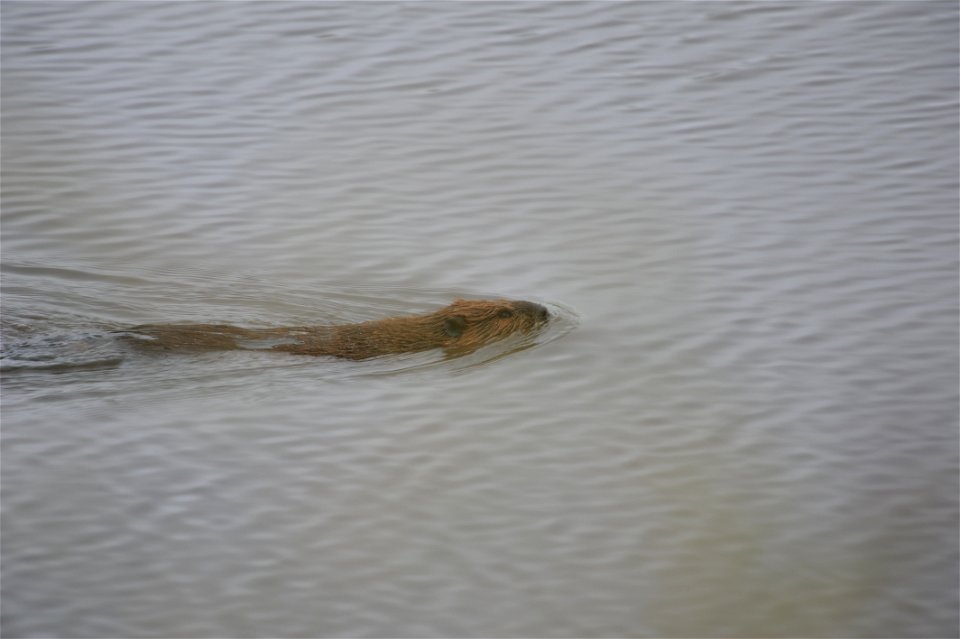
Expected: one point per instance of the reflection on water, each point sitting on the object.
(748, 213)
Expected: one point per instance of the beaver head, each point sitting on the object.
(470, 324)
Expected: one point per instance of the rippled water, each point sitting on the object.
(743, 422)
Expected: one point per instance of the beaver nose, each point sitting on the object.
(538, 311)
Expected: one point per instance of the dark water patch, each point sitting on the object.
(59, 352)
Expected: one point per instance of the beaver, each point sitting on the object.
(459, 329)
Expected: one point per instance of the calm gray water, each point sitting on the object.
(742, 423)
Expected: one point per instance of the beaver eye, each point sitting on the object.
(505, 313)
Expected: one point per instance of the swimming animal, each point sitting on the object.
(460, 328)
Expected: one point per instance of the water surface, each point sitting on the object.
(743, 423)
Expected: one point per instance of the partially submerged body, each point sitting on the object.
(459, 328)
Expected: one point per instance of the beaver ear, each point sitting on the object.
(454, 326)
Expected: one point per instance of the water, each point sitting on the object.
(743, 422)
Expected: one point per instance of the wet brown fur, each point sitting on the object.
(459, 328)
